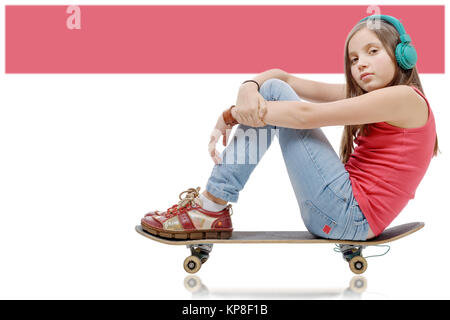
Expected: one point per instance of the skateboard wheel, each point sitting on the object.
(192, 264)
(358, 264)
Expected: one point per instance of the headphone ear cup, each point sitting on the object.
(406, 55)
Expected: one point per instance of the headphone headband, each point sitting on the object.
(394, 21)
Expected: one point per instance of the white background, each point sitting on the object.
(84, 157)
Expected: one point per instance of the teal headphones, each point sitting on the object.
(405, 53)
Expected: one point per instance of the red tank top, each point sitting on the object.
(387, 166)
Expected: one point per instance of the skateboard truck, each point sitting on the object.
(199, 255)
(353, 255)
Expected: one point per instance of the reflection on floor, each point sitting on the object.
(357, 286)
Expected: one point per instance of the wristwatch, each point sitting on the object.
(228, 118)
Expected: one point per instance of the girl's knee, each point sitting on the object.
(270, 89)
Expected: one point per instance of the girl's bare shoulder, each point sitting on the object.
(417, 113)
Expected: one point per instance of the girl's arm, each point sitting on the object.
(266, 75)
(310, 90)
(394, 103)
(316, 91)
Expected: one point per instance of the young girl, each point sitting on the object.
(355, 197)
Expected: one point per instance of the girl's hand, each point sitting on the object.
(250, 107)
(221, 129)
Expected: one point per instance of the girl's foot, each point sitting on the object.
(189, 220)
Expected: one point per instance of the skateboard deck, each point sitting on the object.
(351, 250)
(388, 235)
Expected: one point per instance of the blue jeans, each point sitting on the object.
(320, 181)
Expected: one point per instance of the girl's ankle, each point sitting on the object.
(214, 199)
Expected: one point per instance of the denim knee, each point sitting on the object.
(271, 88)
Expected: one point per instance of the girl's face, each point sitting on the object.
(367, 55)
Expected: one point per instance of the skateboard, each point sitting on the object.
(351, 250)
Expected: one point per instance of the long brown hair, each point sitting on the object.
(389, 37)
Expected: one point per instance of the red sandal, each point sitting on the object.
(188, 220)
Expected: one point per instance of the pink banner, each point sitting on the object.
(202, 39)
